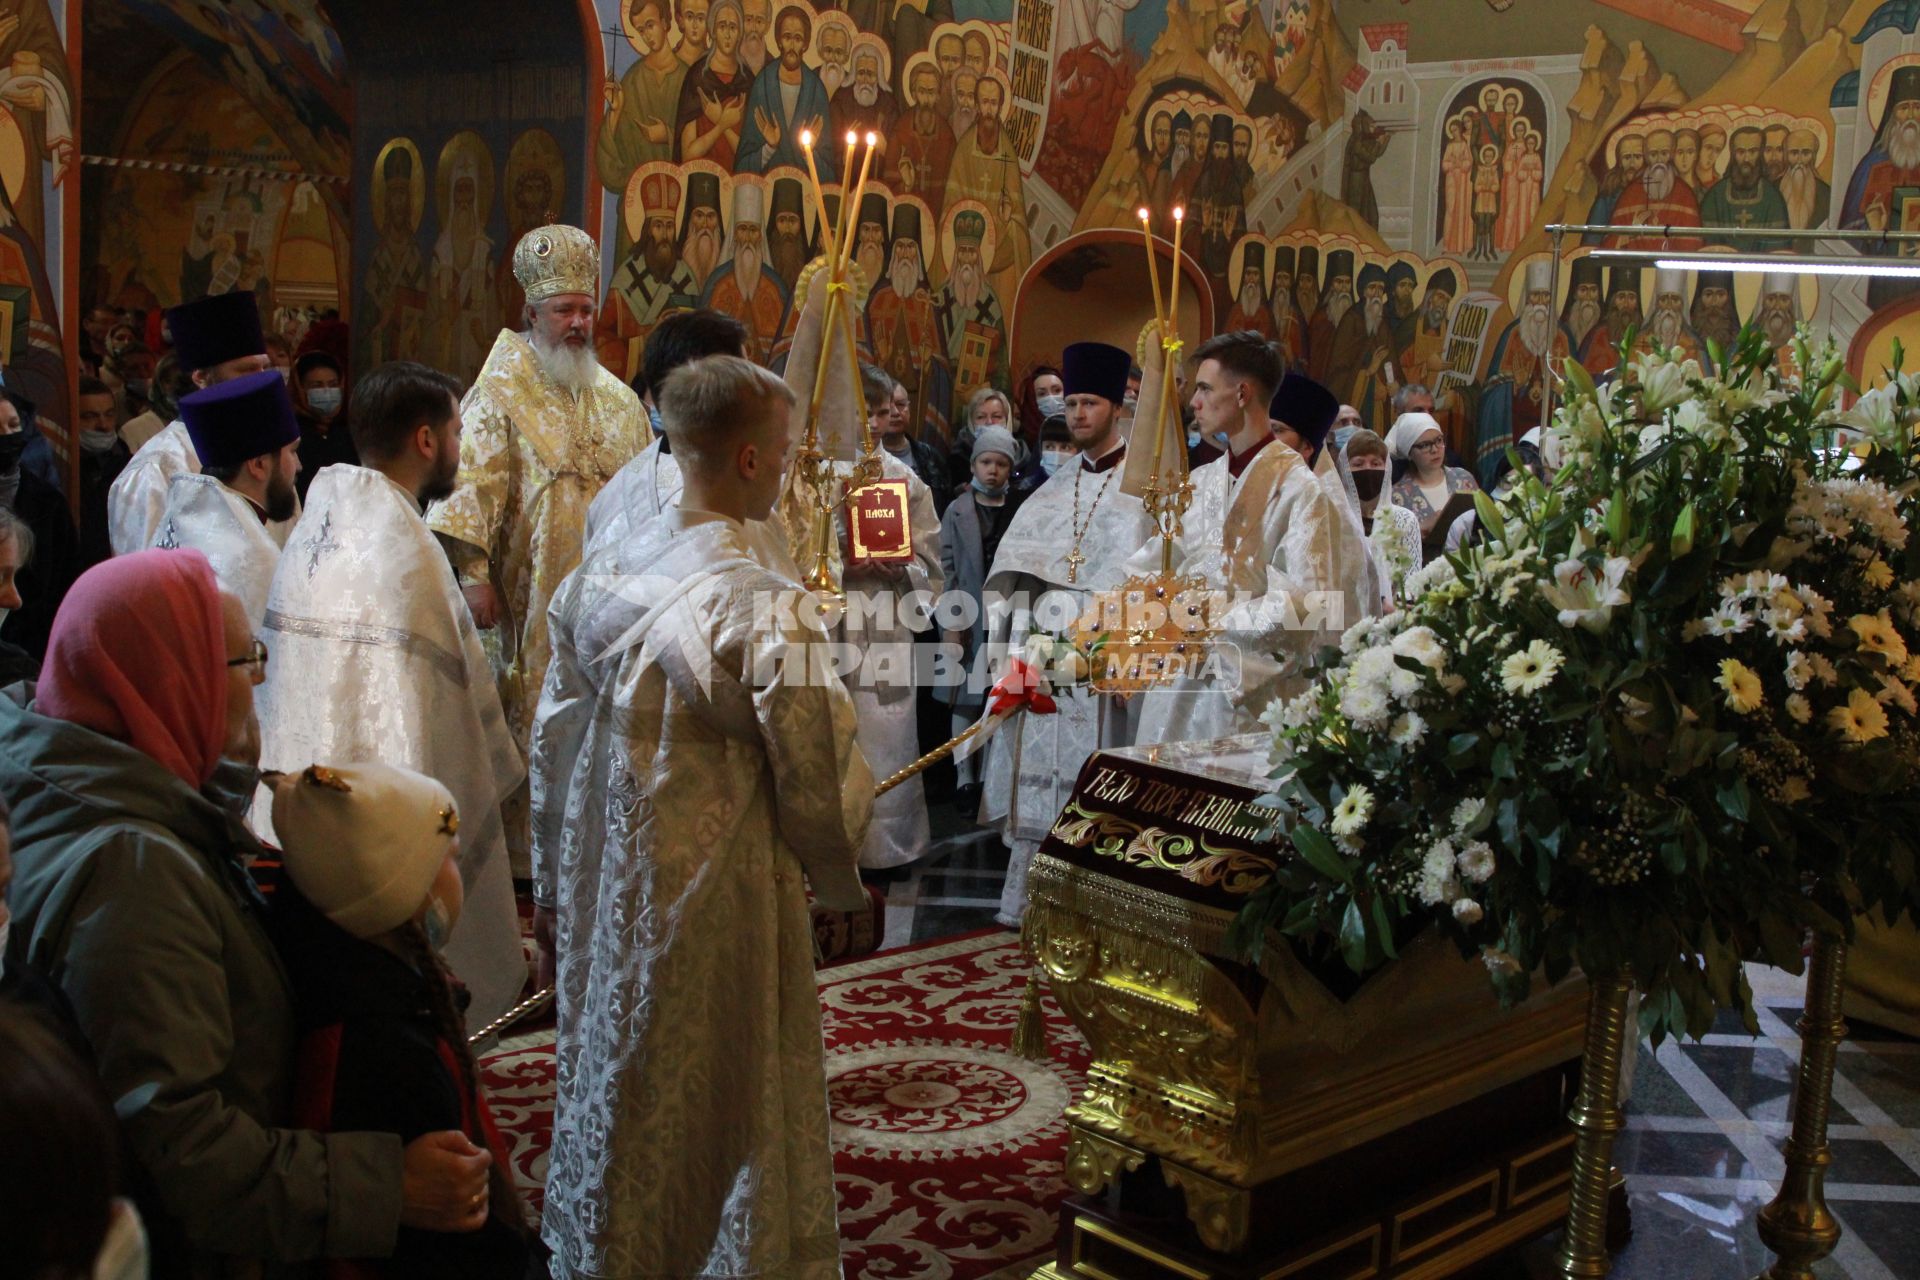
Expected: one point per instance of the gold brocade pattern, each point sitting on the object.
(532, 456)
(1235, 871)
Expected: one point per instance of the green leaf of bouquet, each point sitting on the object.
(1353, 937)
(1489, 515)
(1781, 942)
(1321, 855)
(1383, 925)
(1735, 800)
(1579, 379)
(1681, 541)
(1503, 761)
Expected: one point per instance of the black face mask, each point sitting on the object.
(11, 447)
(1367, 484)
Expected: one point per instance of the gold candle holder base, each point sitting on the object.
(1797, 1225)
(1597, 1118)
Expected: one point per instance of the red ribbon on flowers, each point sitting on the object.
(1020, 689)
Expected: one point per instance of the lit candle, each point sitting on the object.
(843, 229)
(859, 191)
(1173, 289)
(1153, 265)
(813, 173)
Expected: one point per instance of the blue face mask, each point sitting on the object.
(989, 490)
(1193, 439)
(1053, 461)
(1053, 406)
(653, 416)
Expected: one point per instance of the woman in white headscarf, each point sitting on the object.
(1428, 483)
(1392, 532)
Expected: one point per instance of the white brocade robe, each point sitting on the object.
(678, 797)
(1275, 534)
(205, 515)
(374, 656)
(1033, 763)
(138, 496)
(650, 486)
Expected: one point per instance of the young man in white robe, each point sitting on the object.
(1069, 539)
(373, 654)
(248, 443)
(1265, 532)
(650, 485)
(694, 765)
(215, 339)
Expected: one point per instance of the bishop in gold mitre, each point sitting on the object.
(545, 427)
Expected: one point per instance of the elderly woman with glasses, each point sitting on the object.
(1427, 485)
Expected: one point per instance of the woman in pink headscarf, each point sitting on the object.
(131, 892)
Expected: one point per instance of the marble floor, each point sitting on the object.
(1704, 1129)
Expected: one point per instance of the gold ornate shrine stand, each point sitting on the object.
(1278, 1120)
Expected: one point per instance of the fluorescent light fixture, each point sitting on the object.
(1795, 266)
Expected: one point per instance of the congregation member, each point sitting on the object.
(127, 767)
(986, 407)
(1071, 537)
(970, 535)
(43, 509)
(376, 655)
(1263, 530)
(545, 427)
(370, 889)
(248, 445)
(16, 549)
(679, 811)
(1392, 531)
(1428, 487)
(103, 456)
(162, 404)
(320, 400)
(215, 340)
(896, 432)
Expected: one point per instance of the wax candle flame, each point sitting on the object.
(1178, 213)
(873, 139)
(806, 139)
(1144, 215)
(853, 138)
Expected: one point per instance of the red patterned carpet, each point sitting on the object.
(947, 1145)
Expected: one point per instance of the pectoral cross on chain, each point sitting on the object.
(1074, 561)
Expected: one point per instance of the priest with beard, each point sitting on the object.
(651, 284)
(375, 655)
(247, 439)
(900, 319)
(870, 238)
(545, 426)
(1630, 156)
(787, 101)
(865, 105)
(920, 149)
(973, 324)
(1530, 350)
(1667, 328)
(1583, 307)
(1715, 315)
(1071, 537)
(1600, 352)
(1778, 316)
(1746, 198)
(833, 44)
(1887, 175)
(986, 169)
(1335, 302)
(1361, 350)
(1802, 187)
(700, 232)
(787, 233)
(1421, 344)
(745, 286)
(1657, 199)
(1250, 305)
(1289, 330)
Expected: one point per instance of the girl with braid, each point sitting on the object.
(371, 890)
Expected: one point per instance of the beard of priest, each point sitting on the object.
(690, 1131)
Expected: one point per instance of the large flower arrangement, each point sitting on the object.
(1660, 720)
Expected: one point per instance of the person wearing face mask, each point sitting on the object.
(247, 440)
(103, 456)
(161, 396)
(131, 891)
(376, 652)
(370, 891)
(1057, 448)
(39, 506)
(320, 400)
(216, 339)
(1261, 528)
(1345, 423)
(1392, 531)
(986, 407)
(969, 537)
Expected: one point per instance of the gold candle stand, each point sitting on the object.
(1597, 1118)
(1797, 1225)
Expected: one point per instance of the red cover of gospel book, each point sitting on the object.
(878, 528)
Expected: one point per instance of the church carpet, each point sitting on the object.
(947, 1145)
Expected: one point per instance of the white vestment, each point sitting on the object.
(1274, 539)
(138, 496)
(207, 516)
(883, 688)
(1033, 763)
(649, 486)
(374, 656)
(687, 777)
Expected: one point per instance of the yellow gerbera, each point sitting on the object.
(1861, 720)
(1877, 634)
(1744, 694)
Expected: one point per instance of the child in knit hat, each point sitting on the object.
(371, 891)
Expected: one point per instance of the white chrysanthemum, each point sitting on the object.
(1408, 729)
(1403, 684)
(1453, 683)
(1477, 862)
(1374, 667)
(1365, 705)
(1422, 645)
(1466, 813)
(1799, 670)
(1351, 814)
(1531, 669)
(1430, 576)
(1799, 708)
(1467, 911)
(1727, 620)
(1437, 883)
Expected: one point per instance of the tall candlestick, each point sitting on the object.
(813, 174)
(840, 227)
(1153, 266)
(859, 191)
(1172, 333)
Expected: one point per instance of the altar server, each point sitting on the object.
(247, 441)
(1263, 529)
(688, 775)
(1071, 538)
(374, 654)
(215, 339)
